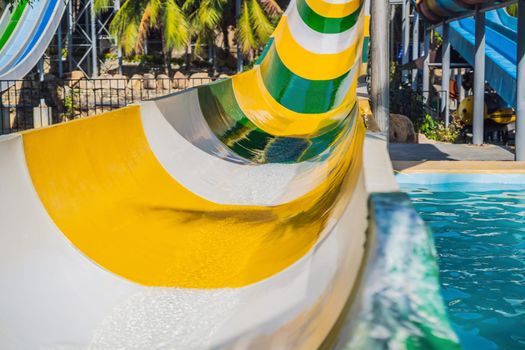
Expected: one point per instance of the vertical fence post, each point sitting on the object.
(380, 84)
(70, 35)
(93, 34)
(406, 37)
(415, 48)
(59, 50)
(426, 67)
(116, 8)
(239, 49)
(520, 88)
(445, 74)
(479, 80)
(461, 91)
(40, 67)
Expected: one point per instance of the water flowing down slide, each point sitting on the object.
(25, 33)
(232, 215)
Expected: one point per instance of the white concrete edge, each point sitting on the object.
(379, 173)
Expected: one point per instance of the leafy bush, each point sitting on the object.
(513, 10)
(436, 130)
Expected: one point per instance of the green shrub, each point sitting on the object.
(436, 130)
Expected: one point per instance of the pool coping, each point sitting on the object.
(459, 167)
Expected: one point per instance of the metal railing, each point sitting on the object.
(25, 104)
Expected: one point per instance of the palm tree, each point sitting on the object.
(256, 23)
(136, 18)
(208, 18)
(179, 20)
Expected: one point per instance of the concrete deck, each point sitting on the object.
(446, 151)
(452, 158)
(460, 167)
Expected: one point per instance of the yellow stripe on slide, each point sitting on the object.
(310, 65)
(366, 26)
(103, 187)
(270, 116)
(327, 9)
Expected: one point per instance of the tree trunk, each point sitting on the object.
(211, 57)
(166, 54)
(188, 57)
(226, 41)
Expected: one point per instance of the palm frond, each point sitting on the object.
(246, 35)
(155, 8)
(175, 26)
(143, 28)
(102, 5)
(125, 25)
(209, 14)
(261, 25)
(271, 7)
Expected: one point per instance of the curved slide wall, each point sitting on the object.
(229, 215)
(436, 11)
(25, 33)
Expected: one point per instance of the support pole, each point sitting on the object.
(479, 80)
(380, 84)
(426, 68)
(392, 9)
(70, 35)
(93, 34)
(520, 86)
(239, 49)
(459, 81)
(415, 48)
(40, 68)
(406, 37)
(116, 8)
(59, 50)
(445, 74)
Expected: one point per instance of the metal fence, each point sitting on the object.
(26, 104)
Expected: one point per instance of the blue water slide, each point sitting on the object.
(500, 62)
(30, 40)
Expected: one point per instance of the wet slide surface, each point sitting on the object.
(227, 215)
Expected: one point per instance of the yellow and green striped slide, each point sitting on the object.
(228, 216)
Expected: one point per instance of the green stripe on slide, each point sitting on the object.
(365, 49)
(324, 24)
(13, 22)
(231, 126)
(299, 94)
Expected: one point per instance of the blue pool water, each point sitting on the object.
(479, 232)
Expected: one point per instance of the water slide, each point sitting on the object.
(500, 62)
(25, 33)
(500, 31)
(232, 215)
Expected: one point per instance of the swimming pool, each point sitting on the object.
(479, 232)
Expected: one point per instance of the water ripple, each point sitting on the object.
(480, 240)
